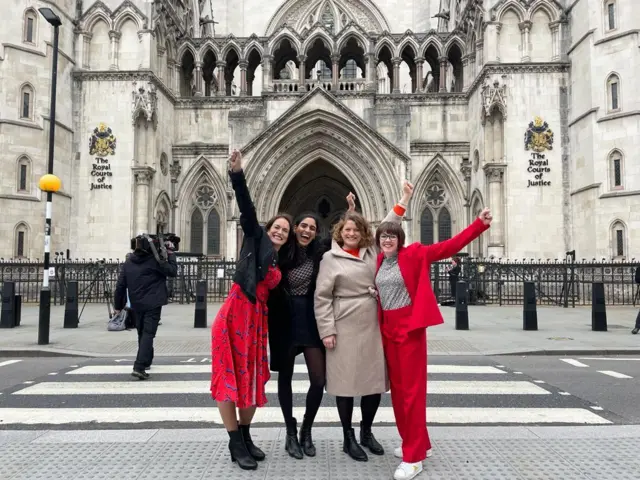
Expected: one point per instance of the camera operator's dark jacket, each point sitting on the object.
(146, 280)
(257, 253)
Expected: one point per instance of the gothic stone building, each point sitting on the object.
(525, 106)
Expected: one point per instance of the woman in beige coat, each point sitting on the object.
(346, 311)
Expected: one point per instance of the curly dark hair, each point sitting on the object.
(362, 225)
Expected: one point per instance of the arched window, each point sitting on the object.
(618, 239)
(615, 170)
(30, 26)
(426, 227)
(610, 15)
(435, 220)
(205, 222)
(21, 240)
(613, 93)
(26, 102)
(23, 175)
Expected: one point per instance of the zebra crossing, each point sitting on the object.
(101, 394)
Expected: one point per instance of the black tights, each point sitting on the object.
(368, 405)
(315, 360)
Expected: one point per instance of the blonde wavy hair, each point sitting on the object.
(367, 239)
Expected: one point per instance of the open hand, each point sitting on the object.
(485, 216)
(329, 342)
(235, 162)
(351, 201)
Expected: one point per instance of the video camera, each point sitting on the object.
(156, 244)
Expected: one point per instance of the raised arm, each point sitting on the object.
(448, 248)
(248, 215)
(399, 209)
(323, 299)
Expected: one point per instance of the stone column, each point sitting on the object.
(174, 170)
(371, 80)
(171, 72)
(488, 140)
(160, 64)
(267, 73)
(302, 72)
(525, 30)
(556, 38)
(85, 57)
(335, 71)
(495, 175)
(443, 73)
(222, 85)
(479, 54)
(465, 73)
(197, 72)
(491, 42)
(419, 74)
(395, 87)
(243, 77)
(143, 177)
(115, 48)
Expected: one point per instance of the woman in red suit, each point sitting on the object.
(239, 335)
(407, 306)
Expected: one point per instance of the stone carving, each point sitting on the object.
(145, 101)
(538, 137)
(102, 141)
(494, 173)
(436, 195)
(143, 175)
(206, 197)
(175, 170)
(494, 95)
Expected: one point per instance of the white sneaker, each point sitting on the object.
(407, 471)
(398, 452)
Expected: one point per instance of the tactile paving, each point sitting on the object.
(284, 467)
(342, 465)
(222, 467)
(186, 461)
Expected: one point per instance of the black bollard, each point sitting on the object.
(71, 319)
(200, 318)
(462, 312)
(8, 316)
(18, 310)
(529, 310)
(598, 308)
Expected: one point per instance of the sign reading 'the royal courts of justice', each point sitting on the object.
(538, 138)
(102, 144)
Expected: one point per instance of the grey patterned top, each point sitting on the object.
(390, 284)
(300, 276)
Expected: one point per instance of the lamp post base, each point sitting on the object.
(44, 319)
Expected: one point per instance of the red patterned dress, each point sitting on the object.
(239, 340)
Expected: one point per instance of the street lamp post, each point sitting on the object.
(50, 184)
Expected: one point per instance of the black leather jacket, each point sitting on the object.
(257, 253)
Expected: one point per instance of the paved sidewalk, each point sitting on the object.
(496, 453)
(493, 330)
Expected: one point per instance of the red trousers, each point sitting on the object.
(406, 354)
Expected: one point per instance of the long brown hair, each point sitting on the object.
(286, 250)
(362, 225)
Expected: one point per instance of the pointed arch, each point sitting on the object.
(162, 212)
(476, 198)
(208, 46)
(515, 7)
(411, 41)
(21, 240)
(546, 6)
(252, 45)
(352, 32)
(228, 47)
(123, 17)
(618, 238)
(183, 49)
(95, 16)
(285, 34)
(385, 42)
(432, 41)
(455, 40)
(318, 33)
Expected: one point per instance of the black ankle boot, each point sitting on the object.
(239, 452)
(254, 451)
(368, 440)
(305, 439)
(352, 448)
(291, 445)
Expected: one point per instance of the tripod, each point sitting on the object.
(100, 275)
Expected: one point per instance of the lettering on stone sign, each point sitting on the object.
(538, 168)
(100, 172)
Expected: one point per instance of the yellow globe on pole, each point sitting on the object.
(49, 183)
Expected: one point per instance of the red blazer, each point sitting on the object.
(415, 266)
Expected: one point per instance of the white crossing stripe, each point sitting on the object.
(185, 387)
(298, 368)
(435, 415)
(9, 362)
(573, 362)
(611, 373)
(611, 359)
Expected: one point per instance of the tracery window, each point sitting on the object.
(435, 221)
(205, 222)
(29, 27)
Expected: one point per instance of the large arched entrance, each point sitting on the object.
(319, 188)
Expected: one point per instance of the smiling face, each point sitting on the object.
(388, 243)
(351, 235)
(279, 232)
(306, 231)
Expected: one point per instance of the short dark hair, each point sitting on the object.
(391, 228)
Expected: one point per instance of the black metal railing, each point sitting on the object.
(490, 282)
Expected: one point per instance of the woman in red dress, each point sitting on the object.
(239, 335)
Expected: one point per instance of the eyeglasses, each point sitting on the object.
(386, 236)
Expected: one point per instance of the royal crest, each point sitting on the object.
(102, 141)
(538, 137)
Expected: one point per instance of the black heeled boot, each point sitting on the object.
(305, 439)
(254, 451)
(239, 452)
(368, 440)
(291, 445)
(352, 448)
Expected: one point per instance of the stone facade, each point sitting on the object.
(525, 106)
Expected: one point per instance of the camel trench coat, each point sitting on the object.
(345, 307)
